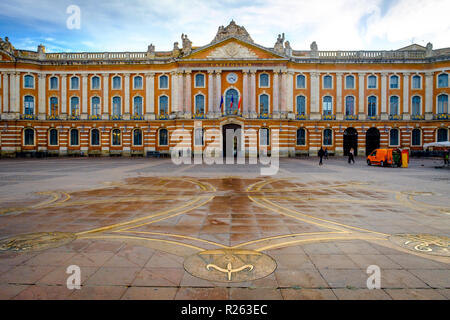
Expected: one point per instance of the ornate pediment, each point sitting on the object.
(232, 50)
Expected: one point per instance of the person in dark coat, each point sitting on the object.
(351, 156)
(321, 153)
(325, 154)
(446, 156)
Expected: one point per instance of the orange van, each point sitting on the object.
(384, 157)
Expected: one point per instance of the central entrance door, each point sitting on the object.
(350, 141)
(233, 133)
(372, 140)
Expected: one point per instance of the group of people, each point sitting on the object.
(323, 153)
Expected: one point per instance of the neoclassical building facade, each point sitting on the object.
(129, 103)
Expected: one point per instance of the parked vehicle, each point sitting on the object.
(384, 157)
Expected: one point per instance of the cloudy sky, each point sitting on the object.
(131, 25)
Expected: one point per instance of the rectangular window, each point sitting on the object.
(393, 82)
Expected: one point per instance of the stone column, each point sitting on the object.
(384, 113)
(290, 94)
(181, 93)
(314, 106)
(41, 94)
(429, 95)
(339, 106)
(105, 113)
(245, 102)
(174, 91)
(188, 92)
(63, 80)
(127, 115)
(361, 97)
(84, 96)
(150, 96)
(218, 88)
(283, 107)
(211, 106)
(14, 102)
(17, 93)
(5, 76)
(253, 108)
(406, 104)
(275, 94)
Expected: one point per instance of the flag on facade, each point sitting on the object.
(239, 105)
(221, 103)
(231, 104)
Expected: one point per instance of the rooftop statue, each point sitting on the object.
(6, 45)
(232, 30)
(278, 47)
(187, 44)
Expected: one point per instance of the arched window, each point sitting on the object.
(416, 139)
(199, 104)
(53, 106)
(163, 105)
(163, 82)
(393, 137)
(137, 82)
(163, 137)
(372, 82)
(301, 137)
(95, 106)
(349, 106)
(393, 82)
(443, 80)
(137, 106)
(74, 83)
(264, 80)
(393, 105)
(415, 110)
(29, 104)
(199, 80)
(416, 82)
(95, 137)
(264, 137)
(95, 83)
(301, 81)
(117, 82)
(28, 137)
(264, 104)
(74, 106)
(53, 83)
(231, 100)
(137, 137)
(327, 137)
(327, 106)
(116, 137)
(442, 104)
(117, 106)
(53, 137)
(442, 135)
(28, 81)
(198, 137)
(327, 82)
(350, 82)
(74, 141)
(372, 106)
(301, 105)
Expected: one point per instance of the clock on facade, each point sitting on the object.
(232, 77)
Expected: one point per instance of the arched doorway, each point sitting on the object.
(231, 133)
(372, 140)
(350, 141)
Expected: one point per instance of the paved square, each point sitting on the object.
(148, 229)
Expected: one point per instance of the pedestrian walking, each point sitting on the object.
(321, 153)
(325, 154)
(351, 156)
(446, 156)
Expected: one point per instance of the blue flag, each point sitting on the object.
(221, 103)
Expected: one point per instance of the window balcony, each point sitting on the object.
(351, 117)
(441, 116)
(199, 115)
(116, 117)
(395, 117)
(53, 117)
(163, 116)
(329, 117)
(264, 116)
(28, 117)
(372, 117)
(234, 112)
(137, 117)
(417, 117)
(301, 116)
(94, 117)
(73, 117)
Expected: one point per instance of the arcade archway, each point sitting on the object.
(350, 140)
(372, 140)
